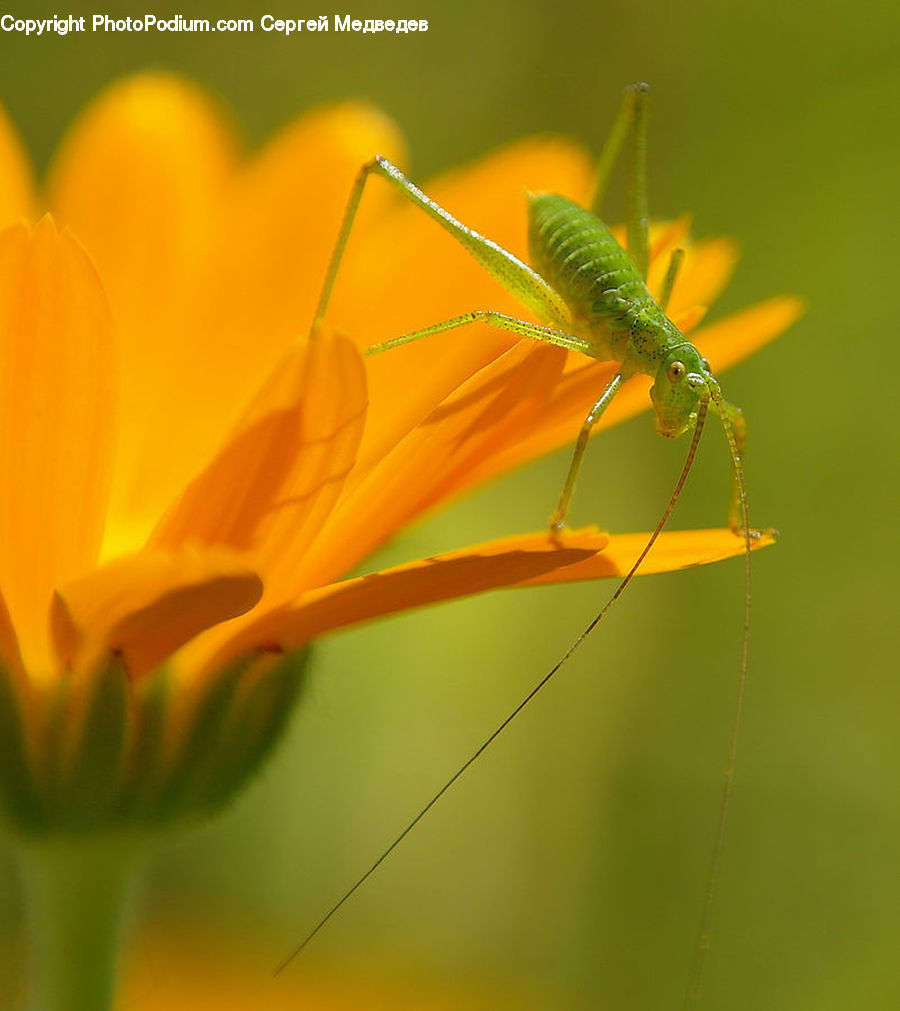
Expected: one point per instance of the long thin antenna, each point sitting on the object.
(626, 579)
(698, 960)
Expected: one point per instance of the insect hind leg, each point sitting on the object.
(630, 123)
(516, 277)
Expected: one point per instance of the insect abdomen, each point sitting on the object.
(578, 256)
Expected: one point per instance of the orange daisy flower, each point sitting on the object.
(186, 479)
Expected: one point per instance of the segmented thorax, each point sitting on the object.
(578, 256)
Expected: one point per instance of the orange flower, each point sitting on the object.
(186, 478)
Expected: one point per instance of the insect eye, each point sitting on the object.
(676, 372)
(706, 366)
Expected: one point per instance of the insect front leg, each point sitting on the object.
(557, 520)
(499, 320)
(735, 425)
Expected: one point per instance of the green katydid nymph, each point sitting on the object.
(590, 296)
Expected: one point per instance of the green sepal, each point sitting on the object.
(19, 797)
(85, 781)
(256, 727)
(235, 726)
(200, 747)
(142, 772)
(111, 755)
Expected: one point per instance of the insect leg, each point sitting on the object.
(611, 150)
(515, 276)
(736, 424)
(340, 245)
(637, 213)
(496, 319)
(675, 262)
(632, 122)
(559, 514)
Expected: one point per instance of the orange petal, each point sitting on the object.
(56, 422)
(147, 605)
(16, 179)
(140, 180)
(665, 238)
(564, 414)
(434, 460)
(681, 549)
(281, 223)
(707, 268)
(271, 488)
(277, 232)
(729, 340)
(527, 560)
(688, 319)
(139, 177)
(507, 562)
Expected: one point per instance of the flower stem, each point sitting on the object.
(77, 893)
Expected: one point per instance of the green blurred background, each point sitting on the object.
(567, 871)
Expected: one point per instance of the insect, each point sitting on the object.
(590, 295)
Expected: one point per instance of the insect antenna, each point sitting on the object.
(620, 589)
(698, 959)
